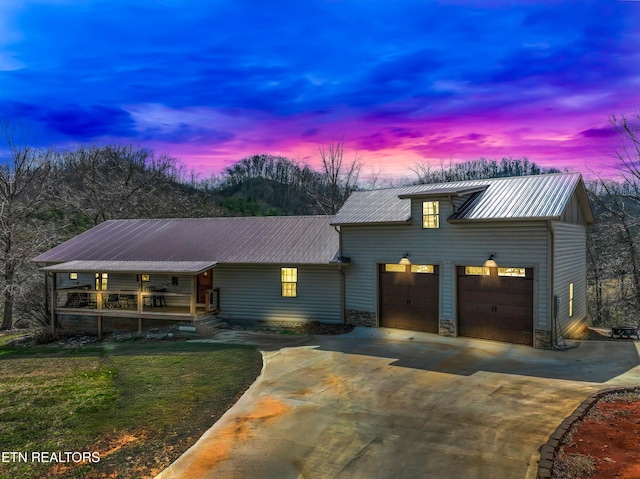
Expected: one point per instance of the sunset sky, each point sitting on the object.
(211, 82)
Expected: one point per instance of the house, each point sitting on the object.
(136, 274)
(501, 259)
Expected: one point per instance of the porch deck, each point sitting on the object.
(134, 304)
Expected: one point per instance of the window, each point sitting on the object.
(395, 268)
(570, 299)
(289, 280)
(513, 272)
(422, 268)
(174, 281)
(431, 214)
(102, 281)
(146, 277)
(477, 271)
(73, 275)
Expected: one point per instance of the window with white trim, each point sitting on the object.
(431, 214)
(289, 282)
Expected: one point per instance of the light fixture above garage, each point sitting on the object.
(405, 259)
(491, 261)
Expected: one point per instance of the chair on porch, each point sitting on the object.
(160, 300)
(113, 301)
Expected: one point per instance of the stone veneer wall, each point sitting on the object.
(448, 328)
(542, 339)
(361, 318)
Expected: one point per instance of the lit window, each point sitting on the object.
(431, 214)
(289, 280)
(102, 281)
(146, 277)
(395, 268)
(73, 275)
(477, 271)
(422, 268)
(514, 272)
(570, 299)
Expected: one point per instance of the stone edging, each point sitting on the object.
(549, 449)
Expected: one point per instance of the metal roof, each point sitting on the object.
(79, 266)
(273, 239)
(519, 197)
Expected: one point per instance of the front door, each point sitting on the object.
(204, 281)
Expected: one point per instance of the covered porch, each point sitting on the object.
(145, 290)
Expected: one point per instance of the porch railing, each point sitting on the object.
(132, 301)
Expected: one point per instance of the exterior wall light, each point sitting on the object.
(405, 259)
(491, 262)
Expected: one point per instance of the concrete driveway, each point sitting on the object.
(380, 403)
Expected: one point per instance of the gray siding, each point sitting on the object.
(573, 212)
(570, 267)
(254, 292)
(515, 243)
(84, 279)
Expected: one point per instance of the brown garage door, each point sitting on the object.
(494, 306)
(409, 298)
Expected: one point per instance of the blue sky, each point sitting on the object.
(402, 81)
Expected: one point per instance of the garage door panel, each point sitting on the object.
(409, 300)
(496, 307)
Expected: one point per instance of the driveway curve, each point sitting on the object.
(381, 403)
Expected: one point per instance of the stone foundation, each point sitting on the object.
(542, 339)
(361, 318)
(448, 328)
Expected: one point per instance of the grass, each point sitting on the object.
(6, 338)
(139, 405)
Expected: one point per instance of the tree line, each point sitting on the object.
(49, 196)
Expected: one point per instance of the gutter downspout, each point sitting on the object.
(551, 301)
(342, 280)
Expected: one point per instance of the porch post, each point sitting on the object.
(52, 298)
(192, 302)
(140, 298)
(99, 328)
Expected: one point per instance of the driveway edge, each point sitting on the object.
(549, 449)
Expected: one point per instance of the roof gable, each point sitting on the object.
(283, 239)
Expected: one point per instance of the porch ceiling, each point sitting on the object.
(177, 267)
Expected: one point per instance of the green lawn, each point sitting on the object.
(138, 404)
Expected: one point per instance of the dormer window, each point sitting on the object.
(431, 214)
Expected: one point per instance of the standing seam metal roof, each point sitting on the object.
(282, 239)
(520, 197)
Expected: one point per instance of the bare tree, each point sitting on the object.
(25, 185)
(340, 179)
(613, 253)
(124, 181)
(479, 169)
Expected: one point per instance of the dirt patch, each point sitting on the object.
(241, 429)
(605, 444)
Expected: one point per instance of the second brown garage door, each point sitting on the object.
(493, 306)
(409, 297)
